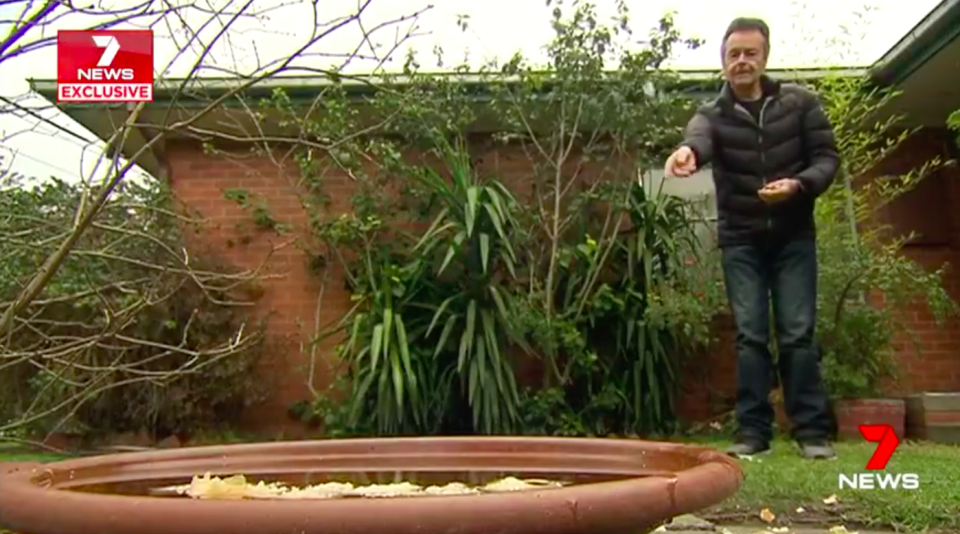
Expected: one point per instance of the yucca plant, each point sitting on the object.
(665, 237)
(471, 237)
(637, 316)
(391, 386)
(379, 351)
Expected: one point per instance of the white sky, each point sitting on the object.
(811, 33)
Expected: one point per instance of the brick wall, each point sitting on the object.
(291, 300)
(293, 305)
(932, 212)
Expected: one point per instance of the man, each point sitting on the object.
(773, 153)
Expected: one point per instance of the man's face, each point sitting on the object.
(744, 58)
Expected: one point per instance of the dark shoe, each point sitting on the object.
(817, 450)
(747, 447)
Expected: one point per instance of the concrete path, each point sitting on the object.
(691, 524)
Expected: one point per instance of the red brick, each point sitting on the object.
(852, 413)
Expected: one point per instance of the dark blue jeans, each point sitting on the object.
(786, 275)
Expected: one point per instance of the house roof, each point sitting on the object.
(933, 35)
(925, 66)
(918, 63)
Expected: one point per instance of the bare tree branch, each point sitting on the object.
(93, 267)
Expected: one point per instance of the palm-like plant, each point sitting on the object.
(473, 226)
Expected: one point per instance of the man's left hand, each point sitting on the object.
(779, 190)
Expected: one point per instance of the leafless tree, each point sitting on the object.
(226, 39)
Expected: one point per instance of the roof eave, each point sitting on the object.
(303, 90)
(360, 86)
(938, 29)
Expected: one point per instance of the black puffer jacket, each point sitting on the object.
(793, 140)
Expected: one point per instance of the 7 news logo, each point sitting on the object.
(105, 66)
(887, 443)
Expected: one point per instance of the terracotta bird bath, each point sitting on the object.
(611, 486)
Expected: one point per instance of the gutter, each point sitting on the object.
(360, 87)
(931, 35)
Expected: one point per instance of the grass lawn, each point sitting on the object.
(8, 455)
(16, 453)
(783, 482)
(29, 457)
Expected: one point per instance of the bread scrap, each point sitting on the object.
(237, 487)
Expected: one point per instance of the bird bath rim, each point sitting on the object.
(669, 479)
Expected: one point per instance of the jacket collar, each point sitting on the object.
(771, 88)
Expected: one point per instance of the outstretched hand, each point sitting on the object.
(682, 163)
